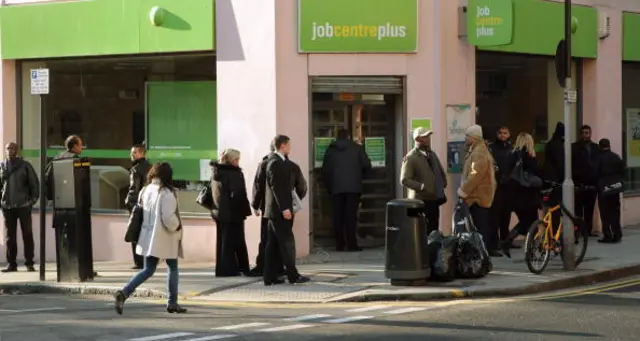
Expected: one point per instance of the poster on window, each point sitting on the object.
(633, 137)
(458, 120)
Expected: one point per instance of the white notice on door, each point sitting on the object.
(39, 81)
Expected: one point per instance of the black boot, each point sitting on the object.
(505, 245)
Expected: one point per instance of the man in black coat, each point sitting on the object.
(278, 209)
(584, 157)
(19, 191)
(257, 204)
(344, 166)
(501, 150)
(137, 179)
(609, 170)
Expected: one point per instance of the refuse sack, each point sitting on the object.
(472, 257)
(442, 256)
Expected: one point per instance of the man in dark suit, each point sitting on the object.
(279, 211)
(257, 203)
(140, 166)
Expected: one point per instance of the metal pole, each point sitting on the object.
(43, 197)
(568, 249)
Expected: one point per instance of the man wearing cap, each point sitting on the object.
(423, 176)
(479, 184)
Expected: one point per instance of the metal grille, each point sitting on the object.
(366, 85)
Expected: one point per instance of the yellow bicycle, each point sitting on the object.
(544, 240)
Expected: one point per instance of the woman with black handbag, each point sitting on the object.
(524, 184)
(230, 209)
(610, 172)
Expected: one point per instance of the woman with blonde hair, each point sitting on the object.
(230, 209)
(522, 161)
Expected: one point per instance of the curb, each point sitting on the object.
(73, 289)
(367, 295)
(559, 284)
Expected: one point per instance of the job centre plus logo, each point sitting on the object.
(328, 30)
(490, 22)
(358, 26)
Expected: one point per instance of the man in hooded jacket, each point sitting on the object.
(344, 166)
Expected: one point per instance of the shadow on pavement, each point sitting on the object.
(453, 327)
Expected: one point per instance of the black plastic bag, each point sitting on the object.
(473, 260)
(472, 257)
(442, 256)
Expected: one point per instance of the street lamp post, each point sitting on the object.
(568, 238)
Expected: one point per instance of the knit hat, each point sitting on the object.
(474, 131)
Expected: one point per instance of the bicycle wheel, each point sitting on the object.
(581, 236)
(538, 240)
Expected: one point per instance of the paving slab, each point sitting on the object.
(346, 276)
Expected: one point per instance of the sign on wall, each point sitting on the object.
(490, 22)
(352, 26)
(633, 137)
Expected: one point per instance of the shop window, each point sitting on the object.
(521, 92)
(631, 124)
(166, 102)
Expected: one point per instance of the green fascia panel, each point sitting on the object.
(188, 25)
(538, 26)
(105, 27)
(631, 37)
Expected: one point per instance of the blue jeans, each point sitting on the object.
(150, 265)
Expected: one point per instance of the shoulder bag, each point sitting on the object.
(134, 225)
(205, 197)
(524, 178)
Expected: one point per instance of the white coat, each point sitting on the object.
(159, 236)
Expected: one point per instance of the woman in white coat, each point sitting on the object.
(160, 237)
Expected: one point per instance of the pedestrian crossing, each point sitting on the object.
(288, 323)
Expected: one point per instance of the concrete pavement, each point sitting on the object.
(604, 312)
(343, 277)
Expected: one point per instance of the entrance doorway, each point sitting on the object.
(366, 116)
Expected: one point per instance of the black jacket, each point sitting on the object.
(584, 155)
(230, 202)
(501, 152)
(344, 166)
(137, 180)
(609, 168)
(48, 173)
(298, 182)
(259, 184)
(278, 196)
(19, 183)
(554, 155)
(524, 198)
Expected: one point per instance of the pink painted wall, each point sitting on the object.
(108, 239)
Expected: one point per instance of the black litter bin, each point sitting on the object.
(407, 257)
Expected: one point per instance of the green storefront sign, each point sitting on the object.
(106, 27)
(357, 26)
(490, 22)
(536, 27)
(630, 41)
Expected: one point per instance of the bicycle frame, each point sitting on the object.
(548, 222)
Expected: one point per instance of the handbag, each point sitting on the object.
(205, 198)
(524, 178)
(296, 202)
(134, 225)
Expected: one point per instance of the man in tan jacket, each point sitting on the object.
(422, 174)
(478, 185)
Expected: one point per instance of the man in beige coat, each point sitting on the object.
(422, 174)
(479, 184)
